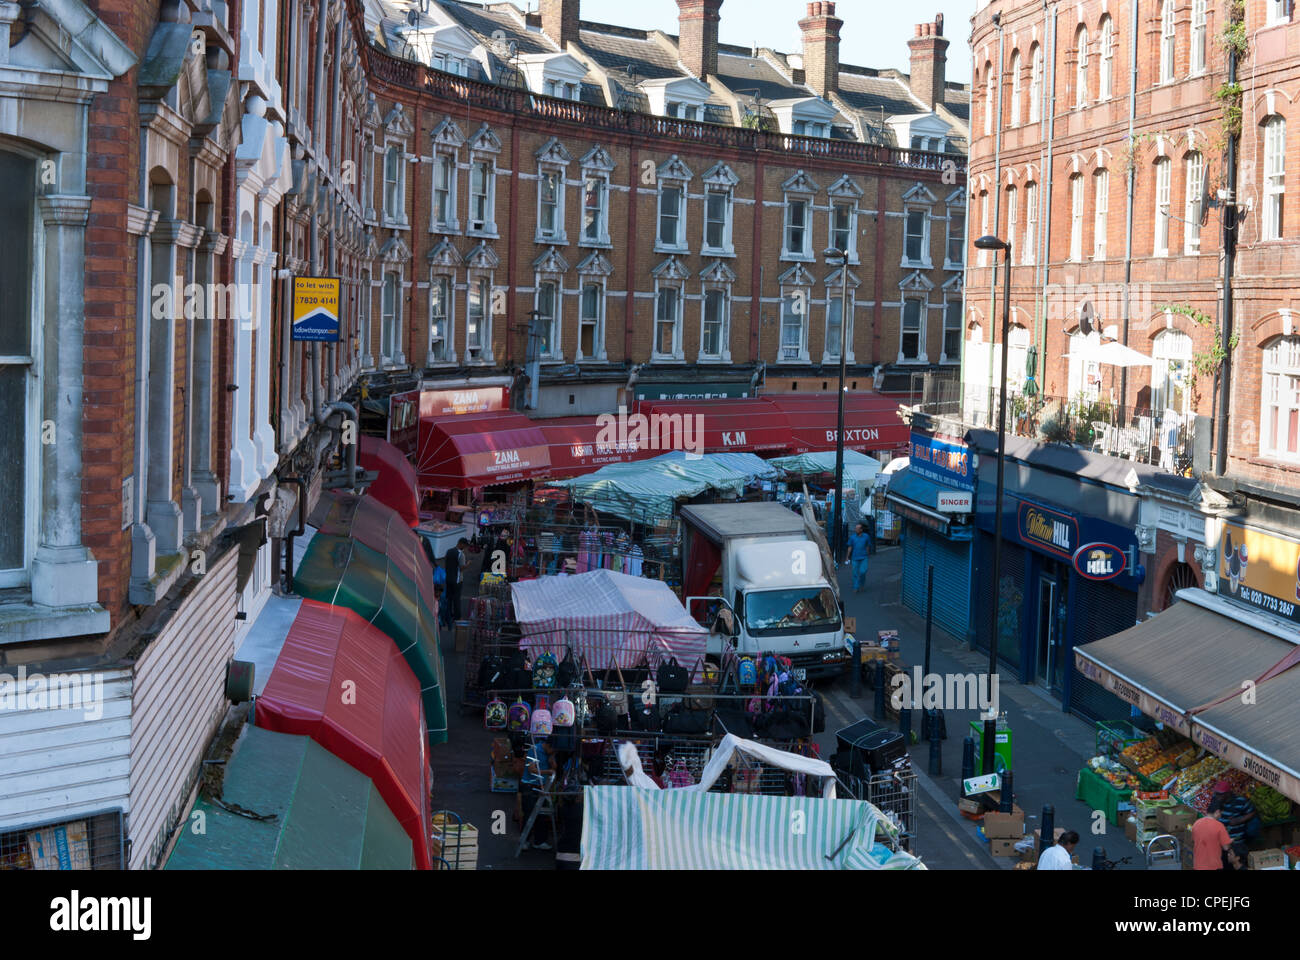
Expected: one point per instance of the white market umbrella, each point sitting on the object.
(1115, 354)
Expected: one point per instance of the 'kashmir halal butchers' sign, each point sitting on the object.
(1260, 569)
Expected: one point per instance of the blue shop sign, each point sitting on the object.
(942, 461)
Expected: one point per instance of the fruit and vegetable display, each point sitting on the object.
(1272, 806)
(1113, 773)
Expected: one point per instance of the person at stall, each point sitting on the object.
(859, 553)
(568, 845)
(1210, 842)
(1239, 815)
(538, 763)
(1059, 855)
(455, 562)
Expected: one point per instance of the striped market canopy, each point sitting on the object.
(630, 828)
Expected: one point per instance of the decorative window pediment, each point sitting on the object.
(595, 265)
(395, 251)
(598, 158)
(916, 280)
(956, 283)
(485, 141)
(956, 198)
(796, 276)
(483, 257)
(718, 272)
(445, 255)
(370, 245)
(721, 175)
(447, 134)
(397, 123)
(846, 186)
(552, 261)
(801, 183)
(553, 152)
(675, 169)
(833, 279)
(671, 269)
(919, 194)
(371, 115)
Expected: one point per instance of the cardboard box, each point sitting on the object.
(462, 636)
(1029, 856)
(1003, 825)
(1131, 829)
(1004, 846)
(1174, 819)
(1271, 859)
(64, 847)
(1038, 836)
(969, 806)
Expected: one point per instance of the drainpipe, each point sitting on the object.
(1229, 254)
(997, 205)
(1132, 187)
(1047, 114)
(292, 534)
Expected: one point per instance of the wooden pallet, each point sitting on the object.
(455, 843)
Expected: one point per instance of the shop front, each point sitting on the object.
(934, 495)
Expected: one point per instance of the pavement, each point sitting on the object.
(1049, 748)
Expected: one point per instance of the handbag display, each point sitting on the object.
(672, 677)
(681, 720)
(638, 674)
(518, 674)
(567, 673)
(492, 672)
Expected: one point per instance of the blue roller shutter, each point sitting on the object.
(952, 572)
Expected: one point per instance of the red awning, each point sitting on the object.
(577, 448)
(342, 682)
(483, 450)
(728, 425)
(395, 486)
(870, 421)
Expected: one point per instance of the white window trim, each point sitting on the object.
(850, 313)
(1168, 43)
(960, 327)
(1277, 11)
(1036, 84)
(925, 262)
(1029, 249)
(802, 296)
(728, 248)
(1274, 214)
(556, 353)
(559, 236)
(489, 230)
(1101, 211)
(724, 356)
(1198, 51)
(1162, 354)
(853, 226)
(398, 358)
(1013, 212)
(984, 225)
(1164, 188)
(602, 303)
(989, 99)
(806, 254)
(678, 353)
(949, 264)
(924, 320)
(681, 246)
(485, 357)
(1076, 218)
(1106, 61)
(1270, 368)
(452, 224)
(449, 347)
(602, 238)
(387, 216)
(1015, 89)
(1081, 68)
(1192, 202)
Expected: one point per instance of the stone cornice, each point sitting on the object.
(140, 221)
(64, 209)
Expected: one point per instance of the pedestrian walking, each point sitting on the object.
(859, 554)
(454, 562)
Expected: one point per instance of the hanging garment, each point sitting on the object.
(635, 561)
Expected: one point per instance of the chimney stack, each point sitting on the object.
(929, 52)
(821, 48)
(697, 27)
(560, 21)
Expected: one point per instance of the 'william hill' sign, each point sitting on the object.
(1054, 532)
(1099, 561)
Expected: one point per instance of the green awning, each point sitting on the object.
(325, 815)
(346, 573)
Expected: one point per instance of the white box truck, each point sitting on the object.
(772, 582)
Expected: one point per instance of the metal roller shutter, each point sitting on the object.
(1013, 578)
(913, 566)
(1100, 610)
(952, 571)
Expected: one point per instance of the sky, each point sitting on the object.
(875, 32)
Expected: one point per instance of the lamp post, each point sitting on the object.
(837, 533)
(990, 242)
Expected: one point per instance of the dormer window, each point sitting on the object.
(449, 64)
(808, 128)
(684, 111)
(554, 74)
(680, 98)
(804, 117)
(563, 90)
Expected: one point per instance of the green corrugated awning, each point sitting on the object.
(325, 814)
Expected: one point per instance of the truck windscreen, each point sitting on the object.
(796, 610)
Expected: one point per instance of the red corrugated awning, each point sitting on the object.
(483, 450)
(580, 445)
(870, 421)
(728, 426)
(342, 682)
(395, 487)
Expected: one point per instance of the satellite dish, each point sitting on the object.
(412, 18)
(1087, 318)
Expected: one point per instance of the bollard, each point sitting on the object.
(1006, 801)
(987, 764)
(905, 724)
(936, 754)
(855, 681)
(925, 722)
(1047, 827)
(1099, 858)
(878, 680)
(967, 760)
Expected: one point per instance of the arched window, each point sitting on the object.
(1015, 88)
(1194, 202)
(1106, 57)
(1085, 372)
(989, 96)
(1036, 84)
(1017, 357)
(1030, 248)
(1076, 217)
(1280, 399)
(1100, 208)
(1081, 68)
(1172, 353)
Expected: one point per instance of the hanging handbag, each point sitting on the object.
(518, 674)
(672, 677)
(638, 674)
(617, 698)
(688, 722)
(567, 673)
(492, 672)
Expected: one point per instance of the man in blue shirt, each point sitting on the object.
(859, 550)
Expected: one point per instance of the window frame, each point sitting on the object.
(723, 353)
(448, 317)
(602, 238)
(1101, 212)
(1162, 359)
(922, 321)
(1163, 188)
(444, 160)
(1106, 60)
(1168, 43)
(805, 253)
(489, 224)
(681, 243)
(551, 349)
(397, 199)
(1198, 50)
(1076, 218)
(678, 288)
(1013, 212)
(1193, 200)
(1273, 223)
(1036, 83)
(796, 300)
(390, 318)
(924, 262)
(850, 229)
(984, 225)
(1015, 89)
(481, 283)
(727, 248)
(949, 327)
(959, 240)
(598, 335)
(1277, 12)
(557, 235)
(990, 85)
(1274, 369)
(1081, 67)
(849, 308)
(1029, 255)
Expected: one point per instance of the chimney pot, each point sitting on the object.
(929, 56)
(560, 21)
(697, 42)
(821, 47)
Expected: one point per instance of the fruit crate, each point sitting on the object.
(1114, 736)
(454, 842)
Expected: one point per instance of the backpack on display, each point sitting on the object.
(564, 713)
(540, 723)
(492, 672)
(495, 714)
(517, 719)
(679, 776)
(518, 675)
(544, 671)
(748, 672)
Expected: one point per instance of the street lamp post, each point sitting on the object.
(990, 242)
(837, 533)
